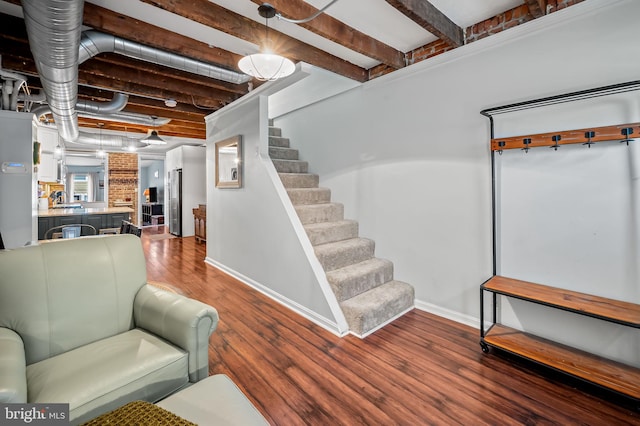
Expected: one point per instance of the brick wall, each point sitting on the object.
(123, 180)
(509, 19)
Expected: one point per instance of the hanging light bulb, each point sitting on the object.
(59, 151)
(153, 138)
(266, 66)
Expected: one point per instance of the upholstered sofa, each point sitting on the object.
(80, 325)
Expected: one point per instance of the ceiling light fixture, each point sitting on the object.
(266, 66)
(153, 138)
(171, 103)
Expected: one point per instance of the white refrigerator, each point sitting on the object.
(18, 179)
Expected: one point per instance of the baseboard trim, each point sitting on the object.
(448, 314)
(323, 322)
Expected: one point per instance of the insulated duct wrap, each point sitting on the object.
(54, 28)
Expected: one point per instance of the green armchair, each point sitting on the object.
(80, 325)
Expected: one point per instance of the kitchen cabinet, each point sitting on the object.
(44, 224)
(115, 220)
(48, 168)
(98, 218)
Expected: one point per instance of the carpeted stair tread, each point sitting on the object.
(372, 308)
(331, 232)
(290, 166)
(283, 153)
(299, 180)
(355, 279)
(279, 141)
(363, 284)
(314, 213)
(309, 195)
(343, 253)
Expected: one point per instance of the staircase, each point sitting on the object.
(363, 284)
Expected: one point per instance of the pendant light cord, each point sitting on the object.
(305, 20)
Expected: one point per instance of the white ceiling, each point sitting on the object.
(375, 18)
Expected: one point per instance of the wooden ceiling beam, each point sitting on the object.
(215, 16)
(430, 18)
(115, 85)
(537, 8)
(128, 28)
(167, 129)
(145, 105)
(336, 31)
(161, 82)
(153, 69)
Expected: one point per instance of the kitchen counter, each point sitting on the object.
(87, 211)
(108, 219)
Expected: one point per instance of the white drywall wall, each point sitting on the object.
(249, 231)
(408, 153)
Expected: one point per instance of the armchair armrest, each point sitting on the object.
(13, 368)
(185, 322)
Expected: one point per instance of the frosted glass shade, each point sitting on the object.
(266, 66)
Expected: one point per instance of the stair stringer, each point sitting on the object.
(305, 243)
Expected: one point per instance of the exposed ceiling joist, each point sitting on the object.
(334, 30)
(537, 8)
(427, 16)
(215, 16)
(113, 23)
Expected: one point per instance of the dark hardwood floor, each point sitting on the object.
(419, 370)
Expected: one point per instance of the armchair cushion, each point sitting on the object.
(64, 294)
(105, 374)
(185, 322)
(13, 377)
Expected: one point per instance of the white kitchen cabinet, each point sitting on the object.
(47, 170)
(48, 167)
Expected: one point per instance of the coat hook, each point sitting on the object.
(556, 139)
(589, 135)
(526, 143)
(626, 132)
(501, 144)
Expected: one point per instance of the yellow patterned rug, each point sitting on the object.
(139, 413)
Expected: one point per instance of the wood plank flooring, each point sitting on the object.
(419, 370)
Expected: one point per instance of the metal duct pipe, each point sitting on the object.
(94, 42)
(7, 87)
(16, 90)
(37, 98)
(54, 29)
(129, 117)
(11, 88)
(117, 103)
(93, 140)
(112, 112)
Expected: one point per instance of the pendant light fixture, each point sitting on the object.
(266, 66)
(153, 138)
(100, 153)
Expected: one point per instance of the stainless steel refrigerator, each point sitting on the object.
(175, 202)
